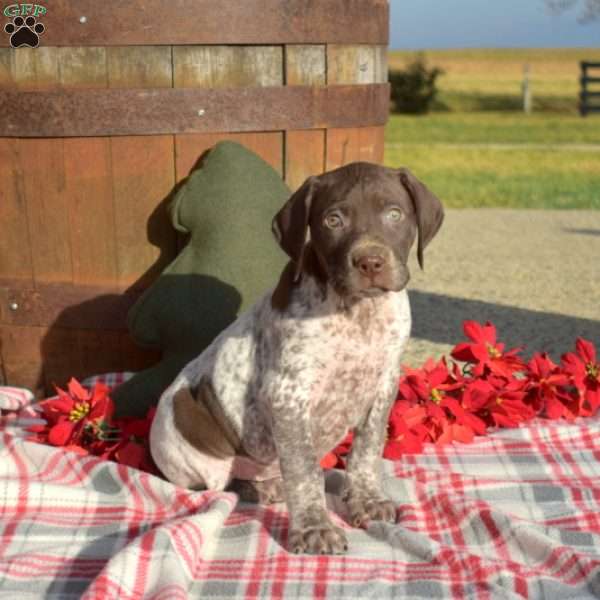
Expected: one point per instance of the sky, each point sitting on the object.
(426, 24)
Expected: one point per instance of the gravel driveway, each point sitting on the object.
(534, 274)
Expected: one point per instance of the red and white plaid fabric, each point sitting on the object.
(513, 515)
(14, 398)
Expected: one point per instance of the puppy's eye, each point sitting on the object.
(395, 215)
(333, 221)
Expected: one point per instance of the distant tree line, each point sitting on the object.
(589, 10)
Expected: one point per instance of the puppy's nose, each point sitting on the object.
(369, 265)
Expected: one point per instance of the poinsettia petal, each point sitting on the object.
(406, 391)
(393, 450)
(462, 352)
(62, 403)
(344, 446)
(461, 433)
(475, 423)
(554, 408)
(419, 386)
(409, 443)
(474, 331)
(480, 390)
(548, 362)
(489, 335)
(61, 433)
(414, 415)
(77, 390)
(593, 398)
(435, 411)
(479, 368)
(329, 461)
(439, 375)
(502, 367)
(397, 426)
(480, 353)
(558, 379)
(454, 408)
(503, 420)
(586, 350)
(572, 364)
(102, 409)
(472, 399)
(99, 392)
(445, 436)
(132, 454)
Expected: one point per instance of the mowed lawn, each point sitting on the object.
(502, 157)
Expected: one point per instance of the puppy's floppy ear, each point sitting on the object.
(290, 224)
(428, 210)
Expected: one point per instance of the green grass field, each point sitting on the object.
(490, 79)
(479, 149)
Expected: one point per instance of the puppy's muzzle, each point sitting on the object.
(373, 267)
(371, 261)
(368, 265)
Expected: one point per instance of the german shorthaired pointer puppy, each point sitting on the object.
(314, 358)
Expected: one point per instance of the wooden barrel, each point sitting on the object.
(114, 107)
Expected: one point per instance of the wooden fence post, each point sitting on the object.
(526, 90)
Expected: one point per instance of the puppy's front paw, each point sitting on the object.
(363, 509)
(324, 539)
(313, 532)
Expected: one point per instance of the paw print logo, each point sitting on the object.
(24, 32)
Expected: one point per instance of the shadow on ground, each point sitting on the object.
(582, 231)
(438, 319)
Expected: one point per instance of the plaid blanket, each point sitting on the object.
(513, 515)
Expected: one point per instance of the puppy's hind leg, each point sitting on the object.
(188, 443)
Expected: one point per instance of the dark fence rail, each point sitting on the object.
(589, 100)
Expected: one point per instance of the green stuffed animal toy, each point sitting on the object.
(231, 259)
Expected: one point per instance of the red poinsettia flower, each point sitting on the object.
(82, 421)
(430, 382)
(583, 368)
(499, 402)
(476, 395)
(435, 387)
(76, 414)
(485, 352)
(429, 409)
(546, 388)
(507, 409)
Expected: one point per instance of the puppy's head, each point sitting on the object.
(353, 227)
